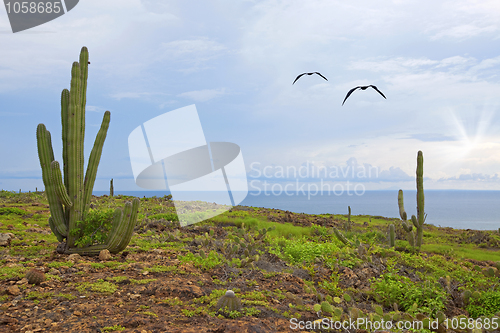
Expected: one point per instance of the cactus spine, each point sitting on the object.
(419, 220)
(69, 197)
(111, 188)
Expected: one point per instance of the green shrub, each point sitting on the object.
(213, 259)
(96, 227)
(392, 288)
(167, 216)
(486, 305)
(297, 251)
(12, 210)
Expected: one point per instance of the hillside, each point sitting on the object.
(289, 271)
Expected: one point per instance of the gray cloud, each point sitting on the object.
(309, 172)
(473, 177)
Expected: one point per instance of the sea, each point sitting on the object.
(458, 209)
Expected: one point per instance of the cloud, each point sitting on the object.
(464, 31)
(93, 108)
(190, 47)
(473, 177)
(314, 172)
(431, 137)
(135, 95)
(203, 95)
(190, 55)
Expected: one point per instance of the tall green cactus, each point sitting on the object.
(69, 198)
(111, 188)
(419, 220)
(421, 216)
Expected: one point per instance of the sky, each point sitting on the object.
(437, 62)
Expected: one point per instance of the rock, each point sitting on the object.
(13, 290)
(22, 281)
(6, 238)
(104, 255)
(75, 257)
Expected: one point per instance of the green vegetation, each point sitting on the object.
(100, 286)
(113, 328)
(12, 210)
(487, 304)
(288, 265)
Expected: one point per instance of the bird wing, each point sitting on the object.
(321, 75)
(298, 77)
(378, 91)
(349, 94)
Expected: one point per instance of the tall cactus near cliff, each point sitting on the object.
(421, 216)
(419, 220)
(69, 198)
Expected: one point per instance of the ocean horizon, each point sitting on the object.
(459, 209)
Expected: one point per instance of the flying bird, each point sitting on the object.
(298, 77)
(362, 88)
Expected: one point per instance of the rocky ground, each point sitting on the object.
(146, 290)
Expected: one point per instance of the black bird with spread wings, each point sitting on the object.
(298, 77)
(362, 88)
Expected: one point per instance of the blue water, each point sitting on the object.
(458, 209)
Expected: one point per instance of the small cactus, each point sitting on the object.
(341, 237)
(326, 307)
(466, 295)
(229, 301)
(489, 272)
(111, 188)
(392, 236)
(34, 276)
(354, 313)
(441, 317)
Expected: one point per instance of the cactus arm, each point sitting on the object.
(95, 156)
(56, 178)
(407, 227)
(401, 205)
(46, 155)
(130, 222)
(54, 229)
(341, 237)
(75, 147)
(84, 72)
(414, 221)
(64, 123)
(118, 227)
